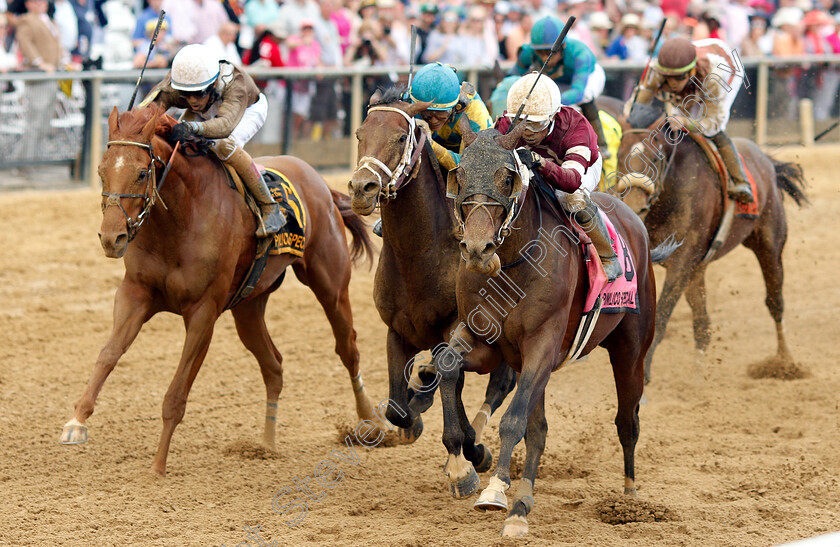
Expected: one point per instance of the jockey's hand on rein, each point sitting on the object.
(531, 159)
(183, 132)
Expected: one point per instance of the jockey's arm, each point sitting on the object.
(479, 119)
(583, 62)
(646, 90)
(234, 103)
(567, 176)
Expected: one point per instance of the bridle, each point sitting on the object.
(150, 192)
(659, 183)
(399, 177)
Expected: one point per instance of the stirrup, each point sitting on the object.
(271, 221)
(741, 192)
(612, 267)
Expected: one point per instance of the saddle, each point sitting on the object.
(291, 239)
(748, 210)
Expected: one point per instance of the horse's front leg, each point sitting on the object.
(401, 356)
(536, 370)
(132, 308)
(199, 324)
(501, 383)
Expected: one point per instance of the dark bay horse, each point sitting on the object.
(534, 325)
(414, 289)
(192, 255)
(685, 198)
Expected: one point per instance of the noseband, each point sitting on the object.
(399, 177)
(149, 195)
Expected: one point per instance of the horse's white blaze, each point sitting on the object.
(119, 163)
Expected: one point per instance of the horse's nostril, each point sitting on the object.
(490, 248)
(371, 187)
(463, 247)
(120, 240)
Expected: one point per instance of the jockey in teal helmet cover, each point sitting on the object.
(574, 69)
(438, 84)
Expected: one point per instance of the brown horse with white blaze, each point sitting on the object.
(193, 253)
(536, 330)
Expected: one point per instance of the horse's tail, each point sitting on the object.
(362, 244)
(789, 178)
(665, 249)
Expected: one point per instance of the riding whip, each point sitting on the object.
(413, 54)
(558, 43)
(650, 56)
(149, 54)
(825, 132)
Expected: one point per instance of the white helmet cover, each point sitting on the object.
(543, 103)
(194, 68)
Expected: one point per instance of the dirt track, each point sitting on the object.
(732, 461)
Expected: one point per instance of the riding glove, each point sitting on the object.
(183, 132)
(531, 159)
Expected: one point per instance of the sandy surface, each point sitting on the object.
(732, 461)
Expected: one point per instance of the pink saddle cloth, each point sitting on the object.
(620, 295)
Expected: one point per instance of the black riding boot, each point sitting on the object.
(593, 224)
(590, 111)
(738, 187)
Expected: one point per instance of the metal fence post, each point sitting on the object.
(95, 131)
(356, 108)
(761, 104)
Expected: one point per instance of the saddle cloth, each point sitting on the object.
(742, 210)
(620, 295)
(291, 238)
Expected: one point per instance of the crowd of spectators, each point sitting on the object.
(368, 33)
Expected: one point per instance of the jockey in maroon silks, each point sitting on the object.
(560, 144)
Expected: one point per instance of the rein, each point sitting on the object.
(399, 177)
(659, 183)
(148, 197)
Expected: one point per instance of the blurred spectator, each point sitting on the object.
(266, 51)
(343, 20)
(194, 21)
(443, 44)
(787, 41)
(395, 34)
(163, 52)
(91, 20)
(600, 24)
(428, 20)
(37, 37)
(260, 13)
(223, 44)
(151, 13)
(757, 44)
(709, 26)
(737, 22)
(324, 110)
(367, 50)
(580, 31)
(294, 12)
(68, 24)
(8, 50)
(626, 44)
(472, 47)
(520, 34)
(812, 81)
(304, 52)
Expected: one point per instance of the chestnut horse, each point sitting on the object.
(194, 252)
(414, 288)
(533, 327)
(685, 198)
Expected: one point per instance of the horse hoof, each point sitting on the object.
(486, 459)
(631, 492)
(514, 527)
(491, 500)
(411, 434)
(74, 432)
(466, 487)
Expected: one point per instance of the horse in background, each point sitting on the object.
(193, 253)
(670, 181)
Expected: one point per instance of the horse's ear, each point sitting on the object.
(113, 122)
(416, 108)
(468, 136)
(376, 97)
(509, 140)
(149, 129)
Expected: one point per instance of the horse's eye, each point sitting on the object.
(142, 176)
(403, 138)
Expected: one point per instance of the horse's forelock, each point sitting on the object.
(133, 121)
(391, 95)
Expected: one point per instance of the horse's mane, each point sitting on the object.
(391, 95)
(132, 122)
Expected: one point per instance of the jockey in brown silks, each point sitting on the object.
(698, 82)
(560, 144)
(225, 106)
